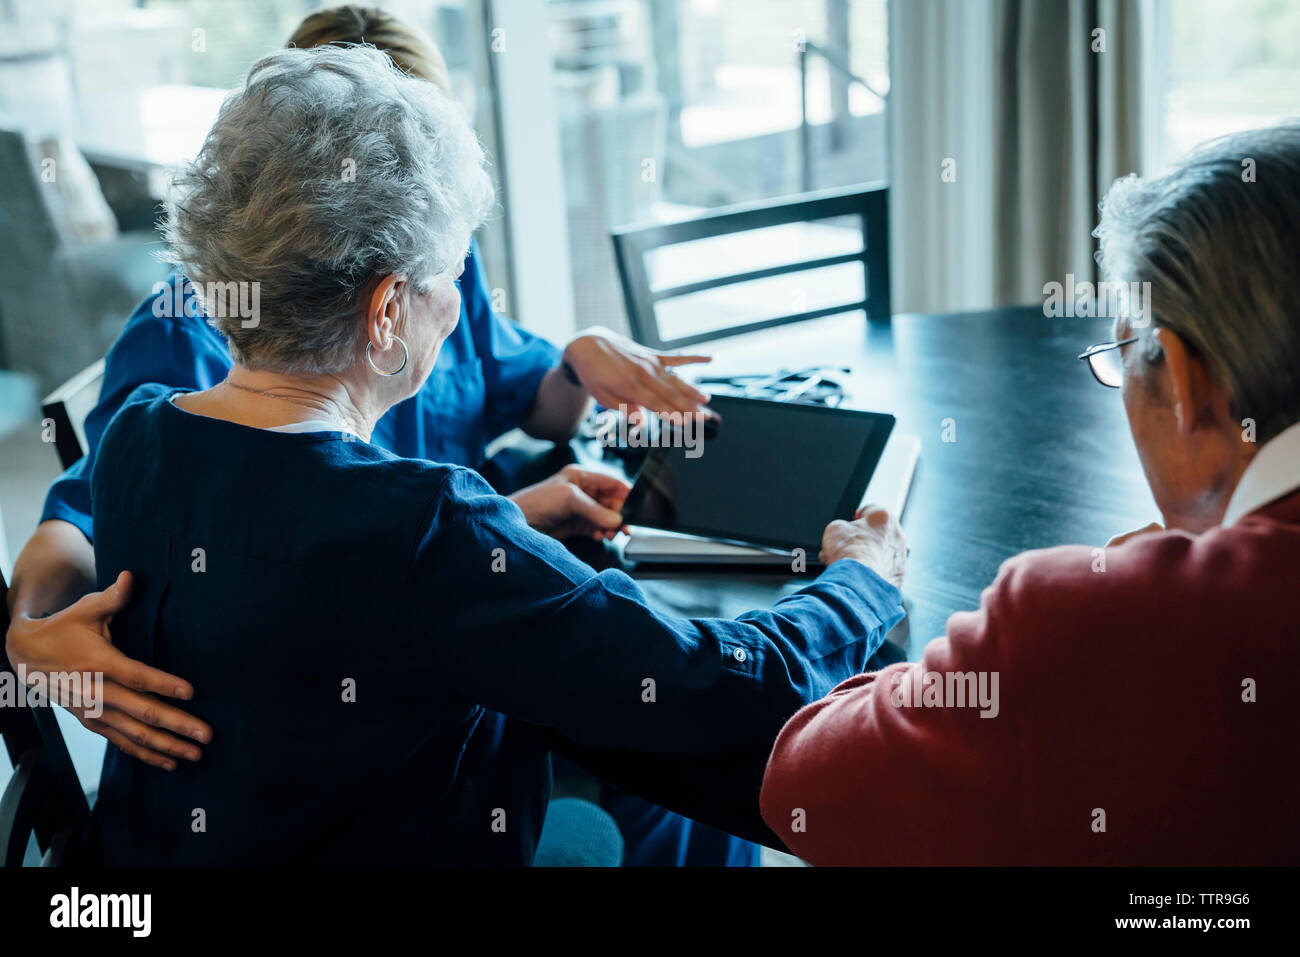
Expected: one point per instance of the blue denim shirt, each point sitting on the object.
(347, 664)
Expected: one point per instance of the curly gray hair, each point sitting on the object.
(1218, 238)
(328, 168)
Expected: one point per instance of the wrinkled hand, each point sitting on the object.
(631, 378)
(575, 501)
(873, 538)
(1127, 536)
(133, 718)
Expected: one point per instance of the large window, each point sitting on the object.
(235, 33)
(149, 75)
(671, 107)
(1224, 65)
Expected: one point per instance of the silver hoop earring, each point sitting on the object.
(405, 356)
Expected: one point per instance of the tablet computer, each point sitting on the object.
(766, 473)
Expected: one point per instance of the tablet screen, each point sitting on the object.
(767, 473)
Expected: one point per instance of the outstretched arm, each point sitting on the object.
(59, 625)
(557, 645)
(59, 622)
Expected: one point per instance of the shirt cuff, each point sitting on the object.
(882, 598)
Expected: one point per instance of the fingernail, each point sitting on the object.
(182, 692)
(198, 734)
(169, 765)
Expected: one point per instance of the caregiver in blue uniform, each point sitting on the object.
(491, 376)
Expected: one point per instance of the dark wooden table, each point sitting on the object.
(1041, 453)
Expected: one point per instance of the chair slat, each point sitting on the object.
(67, 407)
(632, 244)
(805, 265)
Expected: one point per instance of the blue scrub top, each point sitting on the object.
(484, 382)
(384, 632)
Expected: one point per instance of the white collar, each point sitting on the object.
(1271, 474)
(315, 425)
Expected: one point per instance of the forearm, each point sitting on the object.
(559, 408)
(54, 569)
(733, 683)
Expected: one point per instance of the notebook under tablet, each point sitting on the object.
(770, 474)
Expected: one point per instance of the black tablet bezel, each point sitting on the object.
(851, 496)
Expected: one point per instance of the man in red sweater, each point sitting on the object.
(1138, 704)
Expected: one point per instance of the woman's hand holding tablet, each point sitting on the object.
(873, 538)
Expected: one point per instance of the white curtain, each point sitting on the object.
(1009, 119)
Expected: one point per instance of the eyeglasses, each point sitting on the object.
(1106, 361)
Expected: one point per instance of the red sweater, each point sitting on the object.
(1120, 705)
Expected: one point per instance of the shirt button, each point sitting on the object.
(739, 654)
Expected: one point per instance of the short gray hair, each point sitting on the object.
(1218, 238)
(328, 168)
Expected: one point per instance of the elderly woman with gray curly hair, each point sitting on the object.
(347, 615)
